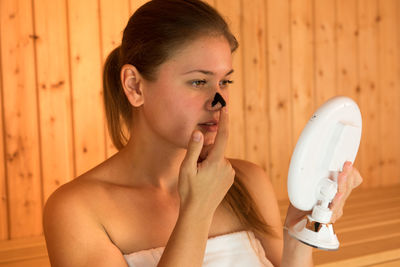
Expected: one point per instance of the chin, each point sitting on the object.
(209, 139)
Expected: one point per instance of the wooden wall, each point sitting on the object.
(293, 55)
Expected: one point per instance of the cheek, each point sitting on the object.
(187, 115)
(180, 133)
(183, 115)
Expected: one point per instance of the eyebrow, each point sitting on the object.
(207, 72)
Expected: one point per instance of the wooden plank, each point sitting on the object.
(37, 262)
(375, 213)
(3, 181)
(346, 224)
(210, 2)
(113, 18)
(255, 82)
(325, 52)
(371, 218)
(369, 151)
(386, 204)
(302, 49)
(20, 119)
(280, 99)
(368, 230)
(346, 46)
(389, 83)
(17, 243)
(358, 204)
(360, 197)
(392, 263)
(363, 196)
(26, 251)
(231, 11)
(135, 4)
(54, 94)
(360, 254)
(361, 202)
(367, 234)
(86, 84)
(371, 194)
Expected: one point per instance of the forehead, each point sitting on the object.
(208, 53)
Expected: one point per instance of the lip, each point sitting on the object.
(209, 128)
(210, 121)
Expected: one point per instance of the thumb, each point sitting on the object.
(193, 151)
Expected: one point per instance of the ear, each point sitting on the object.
(132, 82)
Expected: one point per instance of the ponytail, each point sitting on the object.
(117, 107)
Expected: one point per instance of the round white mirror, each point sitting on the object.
(330, 138)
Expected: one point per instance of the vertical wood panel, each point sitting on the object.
(211, 2)
(325, 52)
(54, 94)
(20, 119)
(236, 142)
(255, 82)
(3, 182)
(113, 18)
(302, 64)
(389, 85)
(135, 4)
(347, 59)
(369, 96)
(280, 98)
(293, 55)
(88, 114)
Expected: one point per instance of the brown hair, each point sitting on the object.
(153, 33)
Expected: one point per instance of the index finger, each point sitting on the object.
(221, 138)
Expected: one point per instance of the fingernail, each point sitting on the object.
(196, 136)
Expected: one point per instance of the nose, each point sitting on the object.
(216, 103)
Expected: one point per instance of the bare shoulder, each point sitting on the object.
(70, 198)
(255, 179)
(248, 171)
(260, 187)
(74, 236)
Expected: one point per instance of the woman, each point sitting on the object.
(169, 197)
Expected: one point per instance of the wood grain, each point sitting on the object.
(87, 102)
(292, 56)
(21, 120)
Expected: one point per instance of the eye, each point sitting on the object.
(198, 83)
(225, 83)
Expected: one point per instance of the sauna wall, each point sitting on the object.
(293, 56)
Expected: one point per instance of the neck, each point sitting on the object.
(153, 162)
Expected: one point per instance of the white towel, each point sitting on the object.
(229, 250)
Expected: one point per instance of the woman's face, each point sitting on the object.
(180, 99)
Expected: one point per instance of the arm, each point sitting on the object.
(295, 253)
(202, 186)
(189, 236)
(73, 236)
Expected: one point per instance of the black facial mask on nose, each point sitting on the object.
(218, 98)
